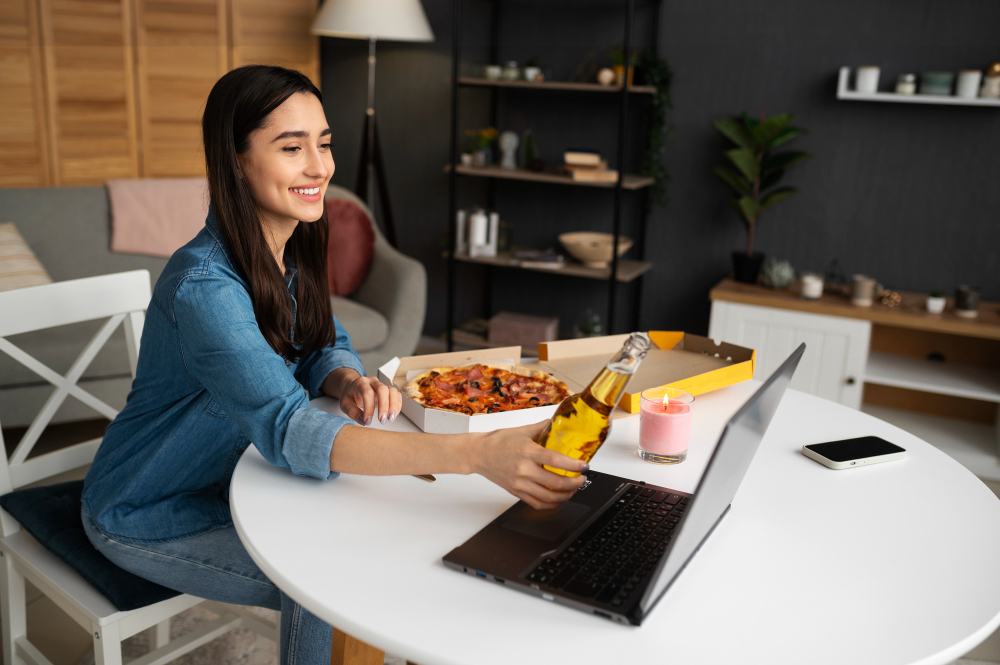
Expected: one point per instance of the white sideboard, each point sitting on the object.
(937, 376)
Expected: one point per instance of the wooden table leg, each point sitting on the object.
(350, 651)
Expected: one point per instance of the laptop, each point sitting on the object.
(616, 547)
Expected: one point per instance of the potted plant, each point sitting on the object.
(753, 171)
(935, 302)
(483, 141)
(617, 55)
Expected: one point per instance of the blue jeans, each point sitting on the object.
(215, 565)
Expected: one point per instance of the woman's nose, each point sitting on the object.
(317, 166)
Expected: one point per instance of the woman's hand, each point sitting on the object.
(362, 396)
(511, 459)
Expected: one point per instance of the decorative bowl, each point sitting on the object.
(593, 249)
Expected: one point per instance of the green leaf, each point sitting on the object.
(777, 196)
(785, 136)
(783, 160)
(748, 122)
(746, 208)
(734, 130)
(745, 161)
(734, 179)
(769, 180)
(768, 130)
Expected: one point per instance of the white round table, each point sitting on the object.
(892, 563)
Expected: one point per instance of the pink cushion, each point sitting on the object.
(350, 248)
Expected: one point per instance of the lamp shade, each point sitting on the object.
(397, 20)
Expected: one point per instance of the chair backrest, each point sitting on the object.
(120, 298)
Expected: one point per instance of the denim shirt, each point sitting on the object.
(206, 387)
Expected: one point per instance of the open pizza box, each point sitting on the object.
(398, 371)
(692, 363)
(689, 362)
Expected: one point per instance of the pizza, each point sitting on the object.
(485, 388)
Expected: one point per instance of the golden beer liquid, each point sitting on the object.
(582, 421)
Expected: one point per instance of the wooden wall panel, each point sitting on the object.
(276, 33)
(90, 85)
(182, 52)
(23, 147)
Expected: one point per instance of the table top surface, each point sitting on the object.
(891, 563)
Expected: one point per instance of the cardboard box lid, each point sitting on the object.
(676, 356)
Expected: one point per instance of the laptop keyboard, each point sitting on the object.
(613, 557)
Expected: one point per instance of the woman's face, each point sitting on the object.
(289, 162)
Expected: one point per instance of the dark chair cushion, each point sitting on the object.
(52, 515)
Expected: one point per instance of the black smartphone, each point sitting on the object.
(849, 453)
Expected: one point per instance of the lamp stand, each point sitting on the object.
(370, 165)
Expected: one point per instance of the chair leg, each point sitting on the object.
(13, 609)
(350, 651)
(159, 635)
(107, 645)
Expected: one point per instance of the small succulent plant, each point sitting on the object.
(777, 273)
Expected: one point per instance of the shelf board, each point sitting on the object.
(474, 81)
(973, 445)
(970, 381)
(843, 92)
(628, 270)
(628, 181)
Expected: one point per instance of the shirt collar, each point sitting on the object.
(212, 224)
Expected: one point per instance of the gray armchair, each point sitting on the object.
(385, 316)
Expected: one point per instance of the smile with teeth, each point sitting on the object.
(309, 191)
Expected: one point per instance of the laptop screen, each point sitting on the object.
(726, 468)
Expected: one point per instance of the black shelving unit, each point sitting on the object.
(614, 276)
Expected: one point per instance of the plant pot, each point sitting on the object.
(935, 305)
(620, 74)
(746, 268)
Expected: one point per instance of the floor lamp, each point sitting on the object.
(396, 20)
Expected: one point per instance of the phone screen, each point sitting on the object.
(852, 449)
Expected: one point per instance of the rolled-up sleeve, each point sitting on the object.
(315, 367)
(224, 350)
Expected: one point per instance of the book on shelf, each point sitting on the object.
(586, 175)
(582, 158)
(602, 166)
(539, 258)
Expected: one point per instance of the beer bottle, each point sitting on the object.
(582, 421)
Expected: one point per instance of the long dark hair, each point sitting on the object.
(237, 106)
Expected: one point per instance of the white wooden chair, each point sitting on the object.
(122, 300)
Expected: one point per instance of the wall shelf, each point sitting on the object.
(844, 92)
(620, 270)
(627, 270)
(969, 381)
(473, 81)
(629, 181)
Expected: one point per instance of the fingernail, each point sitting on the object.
(359, 421)
(368, 422)
(392, 416)
(586, 468)
(383, 419)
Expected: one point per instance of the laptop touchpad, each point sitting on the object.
(546, 524)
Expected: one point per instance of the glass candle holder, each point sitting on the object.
(664, 425)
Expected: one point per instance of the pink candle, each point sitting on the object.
(664, 429)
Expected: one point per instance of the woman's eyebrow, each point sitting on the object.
(299, 134)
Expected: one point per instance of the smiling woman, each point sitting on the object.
(238, 338)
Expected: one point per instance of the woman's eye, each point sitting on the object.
(291, 149)
(328, 146)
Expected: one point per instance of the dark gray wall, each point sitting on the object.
(908, 193)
